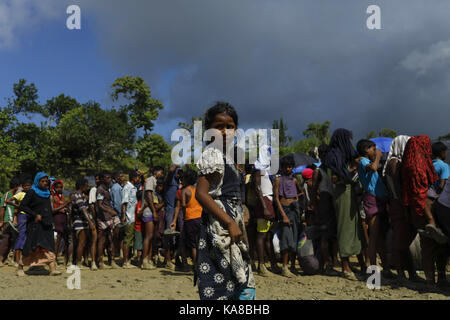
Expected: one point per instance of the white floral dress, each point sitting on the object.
(223, 270)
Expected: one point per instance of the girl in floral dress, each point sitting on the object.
(223, 264)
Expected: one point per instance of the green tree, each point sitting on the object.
(306, 145)
(372, 134)
(151, 147)
(56, 107)
(285, 140)
(189, 126)
(320, 131)
(446, 137)
(388, 132)
(143, 110)
(25, 99)
(93, 137)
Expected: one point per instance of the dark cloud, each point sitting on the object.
(305, 61)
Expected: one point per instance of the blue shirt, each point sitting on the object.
(371, 180)
(116, 198)
(171, 193)
(442, 170)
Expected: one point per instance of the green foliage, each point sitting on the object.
(143, 110)
(77, 139)
(91, 136)
(446, 137)
(388, 132)
(306, 145)
(385, 132)
(319, 131)
(372, 134)
(153, 147)
(285, 140)
(25, 100)
(56, 107)
(190, 126)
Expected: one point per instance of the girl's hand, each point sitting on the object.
(38, 218)
(235, 232)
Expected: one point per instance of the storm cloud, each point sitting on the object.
(303, 60)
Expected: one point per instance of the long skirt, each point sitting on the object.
(349, 228)
(222, 269)
(402, 235)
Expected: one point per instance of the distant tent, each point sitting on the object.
(383, 143)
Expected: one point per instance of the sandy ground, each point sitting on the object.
(163, 284)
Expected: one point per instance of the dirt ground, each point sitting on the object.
(163, 284)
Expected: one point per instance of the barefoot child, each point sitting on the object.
(374, 201)
(22, 218)
(59, 208)
(223, 267)
(150, 217)
(192, 212)
(287, 191)
(83, 222)
(7, 221)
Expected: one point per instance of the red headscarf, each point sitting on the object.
(307, 173)
(417, 172)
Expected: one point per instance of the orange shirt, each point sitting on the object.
(193, 208)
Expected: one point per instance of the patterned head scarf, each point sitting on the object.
(417, 172)
(396, 151)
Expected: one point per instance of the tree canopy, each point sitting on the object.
(79, 138)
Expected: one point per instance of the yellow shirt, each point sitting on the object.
(19, 197)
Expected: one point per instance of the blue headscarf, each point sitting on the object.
(43, 193)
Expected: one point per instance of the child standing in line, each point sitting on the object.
(7, 222)
(138, 240)
(374, 200)
(192, 212)
(59, 209)
(439, 150)
(223, 262)
(287, 191)
(22, 220)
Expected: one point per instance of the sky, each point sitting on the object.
(302, 60)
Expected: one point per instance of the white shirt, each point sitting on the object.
(93, 195)
(129, 197)
(266, 185)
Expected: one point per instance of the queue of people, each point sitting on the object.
(233, 221)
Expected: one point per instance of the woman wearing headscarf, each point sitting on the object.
(339, 159)
(402, 231)
(418, 174)
(40, 245)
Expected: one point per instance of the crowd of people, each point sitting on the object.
(232, 220)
